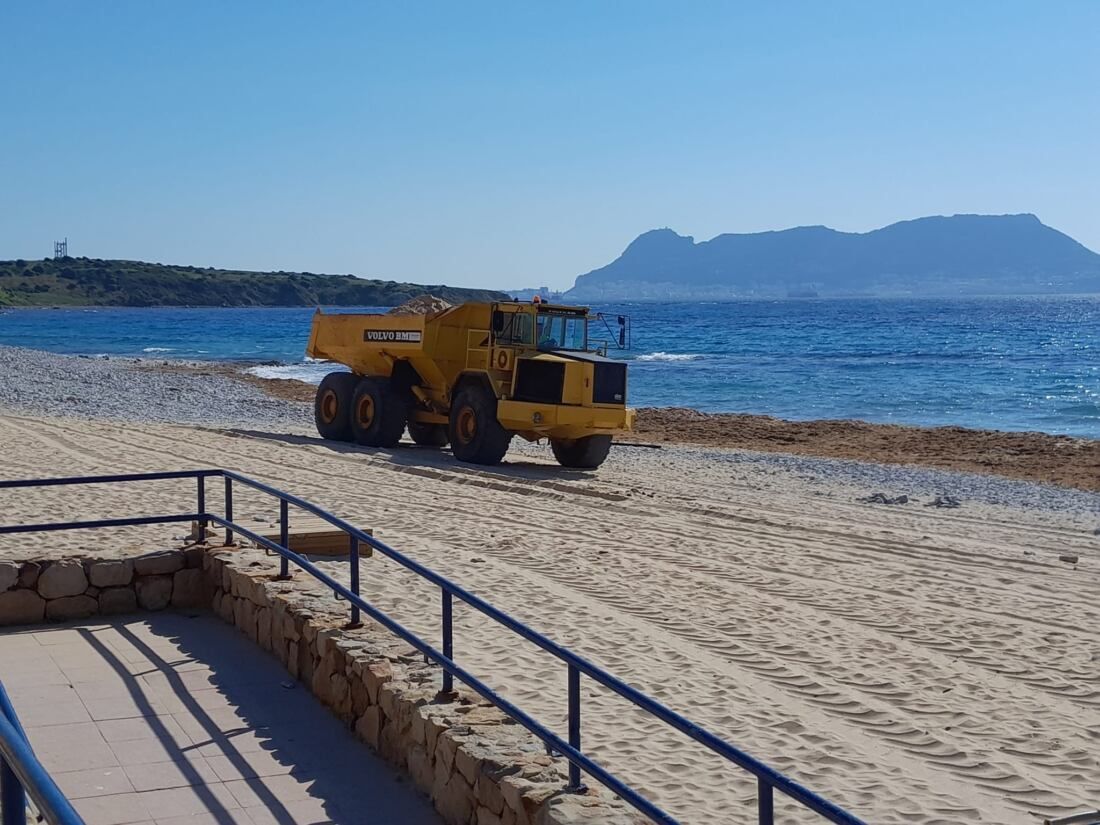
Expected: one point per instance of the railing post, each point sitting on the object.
(228, 509)
(284, 538)
(353, 560)
(765, 802)
(575, 783)
(13, 799)
(448, 640)
(202, 508)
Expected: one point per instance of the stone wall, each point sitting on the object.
(43, 589)
(476, 764)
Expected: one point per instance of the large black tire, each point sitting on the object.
(428, 435)
(332, 405)
(378, 413)
(586, 453)
(475, 433)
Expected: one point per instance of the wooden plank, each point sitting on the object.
(309, 536)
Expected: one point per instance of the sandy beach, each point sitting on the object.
(914, 662)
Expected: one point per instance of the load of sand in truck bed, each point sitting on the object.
(420, 305)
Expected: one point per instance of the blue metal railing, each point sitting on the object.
(21, 774)
(768, 779)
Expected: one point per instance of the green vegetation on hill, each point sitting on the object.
(94, 282)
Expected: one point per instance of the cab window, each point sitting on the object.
(562, 332)
(510, 328)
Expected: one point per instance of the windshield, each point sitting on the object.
(562, 332)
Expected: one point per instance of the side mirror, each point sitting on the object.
(498, 322)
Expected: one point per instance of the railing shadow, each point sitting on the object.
(274, 721)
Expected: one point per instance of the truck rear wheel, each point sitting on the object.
(332, 405)
(476, 434)
(378, 413)
(428, 435)
(585, 453)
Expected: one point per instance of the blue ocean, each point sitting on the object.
(1000, 363)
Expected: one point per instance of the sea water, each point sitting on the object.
(1000, 363)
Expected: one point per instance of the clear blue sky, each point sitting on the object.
(522, 144)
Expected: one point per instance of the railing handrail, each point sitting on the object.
(768, 777)
(17, 755)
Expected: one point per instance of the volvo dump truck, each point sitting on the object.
(473, 376)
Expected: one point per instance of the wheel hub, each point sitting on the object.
(467, 425)
(328, 406)
(365, 411)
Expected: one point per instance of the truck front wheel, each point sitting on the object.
(476, 434)
(332, 405)
(378, 413)
(586, 453)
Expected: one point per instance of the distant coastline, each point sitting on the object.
(92, 282)
(956, 256)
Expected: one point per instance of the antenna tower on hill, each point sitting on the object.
(61, 249)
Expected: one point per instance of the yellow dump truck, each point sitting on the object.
(473, 375)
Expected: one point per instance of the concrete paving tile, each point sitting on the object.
(304, 812)
(180, 773)
(121, 688)
(219, 720)
(15, 644)
(145, 727)
(269, 791)
(246, 741)
(32, 678)
(116, 809)
(34, 714)
(124, 707)
(22, 694)
(143, 751)
(234, 817)
(95, 782)
(210, 798)
(71, 757)
(26, 664)
(248, 765)
(73, 736)
(66, 636)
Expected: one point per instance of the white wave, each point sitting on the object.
(159, 349)
(670, 356)
(311, 370)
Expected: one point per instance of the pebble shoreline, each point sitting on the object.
(133, 389)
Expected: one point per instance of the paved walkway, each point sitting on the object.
(179, 720)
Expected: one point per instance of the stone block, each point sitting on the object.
(193, 557)
(187, 588)
(420, 768)
(62, 578)
(369, 726)
(377, 674)
(28, 574)
(153, 592)
(21, 607)
(71, 607)
(454, 801)
(225, 607)
(110, 573)
(487, 792)
(263, 627)
(9, 575)
(360, 701)
(292, 659)
(115, 600)
(487, 817)
(162, 563)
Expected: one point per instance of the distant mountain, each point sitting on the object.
(94, 282)
(958, 255)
